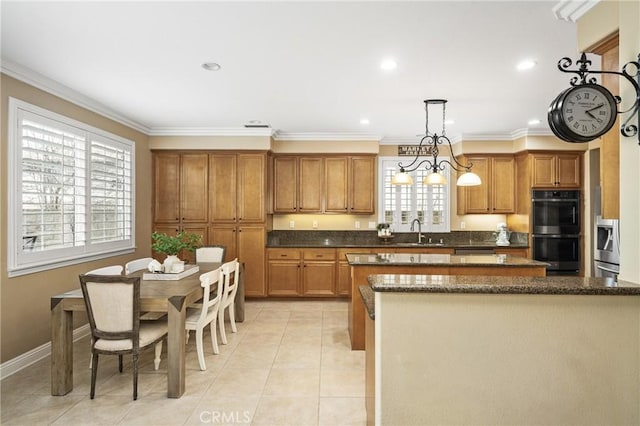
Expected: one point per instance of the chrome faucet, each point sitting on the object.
(420, 236)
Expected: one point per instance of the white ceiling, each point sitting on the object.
(302, 67)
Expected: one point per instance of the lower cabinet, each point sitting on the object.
(246, 242)
(301, 272)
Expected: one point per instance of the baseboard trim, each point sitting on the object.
(34, 355)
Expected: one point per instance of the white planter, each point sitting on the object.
(170, 260)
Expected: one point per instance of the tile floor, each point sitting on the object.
(289, 364)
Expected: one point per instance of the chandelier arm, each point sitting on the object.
(409, 166)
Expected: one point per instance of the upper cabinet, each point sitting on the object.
(556, 170)
(180, 182)
(324, 184)
(496, 194)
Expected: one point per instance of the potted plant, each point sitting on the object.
(172, 245)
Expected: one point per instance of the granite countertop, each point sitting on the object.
(501, 285)
(457, 260)
(368, 296)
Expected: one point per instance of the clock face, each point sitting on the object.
(582, 113)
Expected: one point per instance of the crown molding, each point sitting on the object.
(210, 131)
(572, 10)
(48, 85)
(325, 136)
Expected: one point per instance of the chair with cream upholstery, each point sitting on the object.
(210, 254)
(137, 265)
(206, 314)
(107, 270)
(113, 308)
(229, 283)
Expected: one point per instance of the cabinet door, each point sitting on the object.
(362, 185)
(223, 183)
(224, 235)
(568, 170)
(310, 185)
(543, 169)
(252, 187)
(194, 188)
(503, 185)
(318, 278)
(251, 251)
(343, 285)
(285, 184)
(477, 197)
(283, 278)
(166, 187)
(336, 184)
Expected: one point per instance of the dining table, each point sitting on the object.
(170, 296)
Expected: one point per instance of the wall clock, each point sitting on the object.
(582, 113)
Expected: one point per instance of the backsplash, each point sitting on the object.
(371, 237)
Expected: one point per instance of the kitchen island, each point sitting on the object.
(502, 350)
(363, 265)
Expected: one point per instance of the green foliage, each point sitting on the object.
(170, 245)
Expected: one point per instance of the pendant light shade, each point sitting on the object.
(434, 179)
(469, 179)
(402, 178)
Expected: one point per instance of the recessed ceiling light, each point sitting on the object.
(211, 66)
(527, 64)
(388, 64)
(364, 121)
(534, 122)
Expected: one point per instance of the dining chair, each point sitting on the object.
(206, 314)
(230, 278)
(107, 270)
(210, 254)
(113, 308)
(137, 265)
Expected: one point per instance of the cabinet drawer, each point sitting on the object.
(282, 254)
(319, 254)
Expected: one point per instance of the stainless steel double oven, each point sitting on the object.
(556, 230)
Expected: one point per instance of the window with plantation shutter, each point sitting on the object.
(71, 191)
(400, 204)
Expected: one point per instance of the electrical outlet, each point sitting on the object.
(372, 225)
(357, 224)
(315, 224)
(462, 225)
(292, 224)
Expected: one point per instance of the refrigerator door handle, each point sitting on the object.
(607, 269)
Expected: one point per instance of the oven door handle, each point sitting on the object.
(607, 269)
(556, 235)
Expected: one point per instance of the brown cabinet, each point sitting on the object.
(496, 194)
(324, 184)
(285, 180)
(310, 184)
(220, 195)
(556, 170)
(362, 184)
(180, 183)
(301, 272)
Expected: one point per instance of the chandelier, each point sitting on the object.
(433, 140)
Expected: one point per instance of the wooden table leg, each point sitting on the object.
(176, 348)
(61, 349)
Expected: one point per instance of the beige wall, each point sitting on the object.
(210, 142)
(25, 300)
(602, 20)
